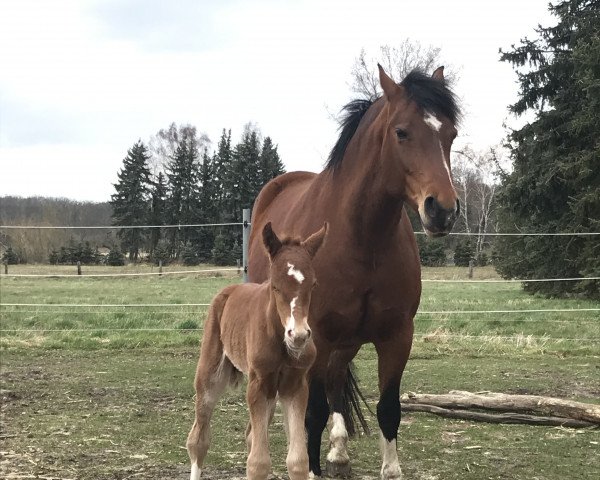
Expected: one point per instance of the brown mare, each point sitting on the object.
(261, 330)
(392, 152)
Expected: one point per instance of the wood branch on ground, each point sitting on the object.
(511, 418)
(536, 404)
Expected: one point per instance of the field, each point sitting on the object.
(106, 392)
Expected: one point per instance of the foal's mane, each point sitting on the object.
(427, 92)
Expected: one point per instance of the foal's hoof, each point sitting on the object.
(337, 470)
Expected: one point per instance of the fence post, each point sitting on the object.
(245, 239)
(6, 268)
(471, 263)
(78, 267)
(160, 268)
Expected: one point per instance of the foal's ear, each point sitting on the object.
(390, 88)
(272, 243)
(315, 241)
(438, 74)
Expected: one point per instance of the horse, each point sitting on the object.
(392, 151)
(261, 330)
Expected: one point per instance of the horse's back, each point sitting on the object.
(292, 182)
(273, 204)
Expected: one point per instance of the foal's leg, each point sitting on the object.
(294, 398)
(213, 374)
(261, 391)
(392, 357)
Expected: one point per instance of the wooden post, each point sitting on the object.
(5, 268)
(78, 267)
(471, 264)
(245, 241)
(160, 268)
(239, 265)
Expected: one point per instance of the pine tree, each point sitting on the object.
(183, 204)
(158, 196)
(222, 163)
(130, 202)
(271, 165)
(555, 184)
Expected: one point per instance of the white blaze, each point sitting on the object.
(431, 120)
(445, 162)
(291, 322)
(297, 274)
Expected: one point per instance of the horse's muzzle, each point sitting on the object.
(437, 220)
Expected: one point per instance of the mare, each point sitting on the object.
(261, 330)
(392, 152)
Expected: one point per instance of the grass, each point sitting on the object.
(111, 402)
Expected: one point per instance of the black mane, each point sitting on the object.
(428, 93)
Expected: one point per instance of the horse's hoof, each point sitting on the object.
(337, 470)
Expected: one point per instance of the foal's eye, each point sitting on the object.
(275, 289)
(401, 134)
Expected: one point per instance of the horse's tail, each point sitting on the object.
(352, 398)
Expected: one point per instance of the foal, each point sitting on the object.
(261, 330)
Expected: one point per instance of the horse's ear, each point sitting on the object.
(438, 74)
(315, 241)
(390, 88)
(272, 243)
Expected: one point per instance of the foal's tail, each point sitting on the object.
(351, 404)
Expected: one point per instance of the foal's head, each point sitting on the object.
(419, 118)
(292, 281)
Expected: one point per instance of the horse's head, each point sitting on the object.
(420, 116)
(292, 281)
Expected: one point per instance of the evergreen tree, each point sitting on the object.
(555, 184)
(158, 196)
(270, 165)
(464, 252)
(431, 251)
(183, 204)
(130, 202)
(222, 163)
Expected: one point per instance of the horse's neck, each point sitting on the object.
(361, 196)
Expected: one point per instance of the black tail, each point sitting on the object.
(351, 404)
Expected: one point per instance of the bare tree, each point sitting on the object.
(163, 145)
(476, 178)
(397, 62)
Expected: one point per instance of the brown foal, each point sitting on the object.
(261, 330)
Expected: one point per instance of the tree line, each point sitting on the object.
(176, 180)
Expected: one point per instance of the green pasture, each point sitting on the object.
(106, 393)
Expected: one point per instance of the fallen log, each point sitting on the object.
(506, 418)
(547, 406)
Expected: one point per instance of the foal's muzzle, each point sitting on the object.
(437, 220)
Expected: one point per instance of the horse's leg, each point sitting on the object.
(271, 407)
(213, 373)
(392, 357)
(261, 392)
(294, 399)
(338, 460)
(317, 413)
(212, 377)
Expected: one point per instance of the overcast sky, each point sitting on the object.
(82, 80)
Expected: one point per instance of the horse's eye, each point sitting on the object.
(401, 134)
(275, 289)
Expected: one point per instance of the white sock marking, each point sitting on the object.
(338, 439)
(196, 472)
(297, 274)
(433, 122)
(390, 467)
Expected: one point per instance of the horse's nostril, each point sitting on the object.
(290, 333)
(308, 333)
(431, 207)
